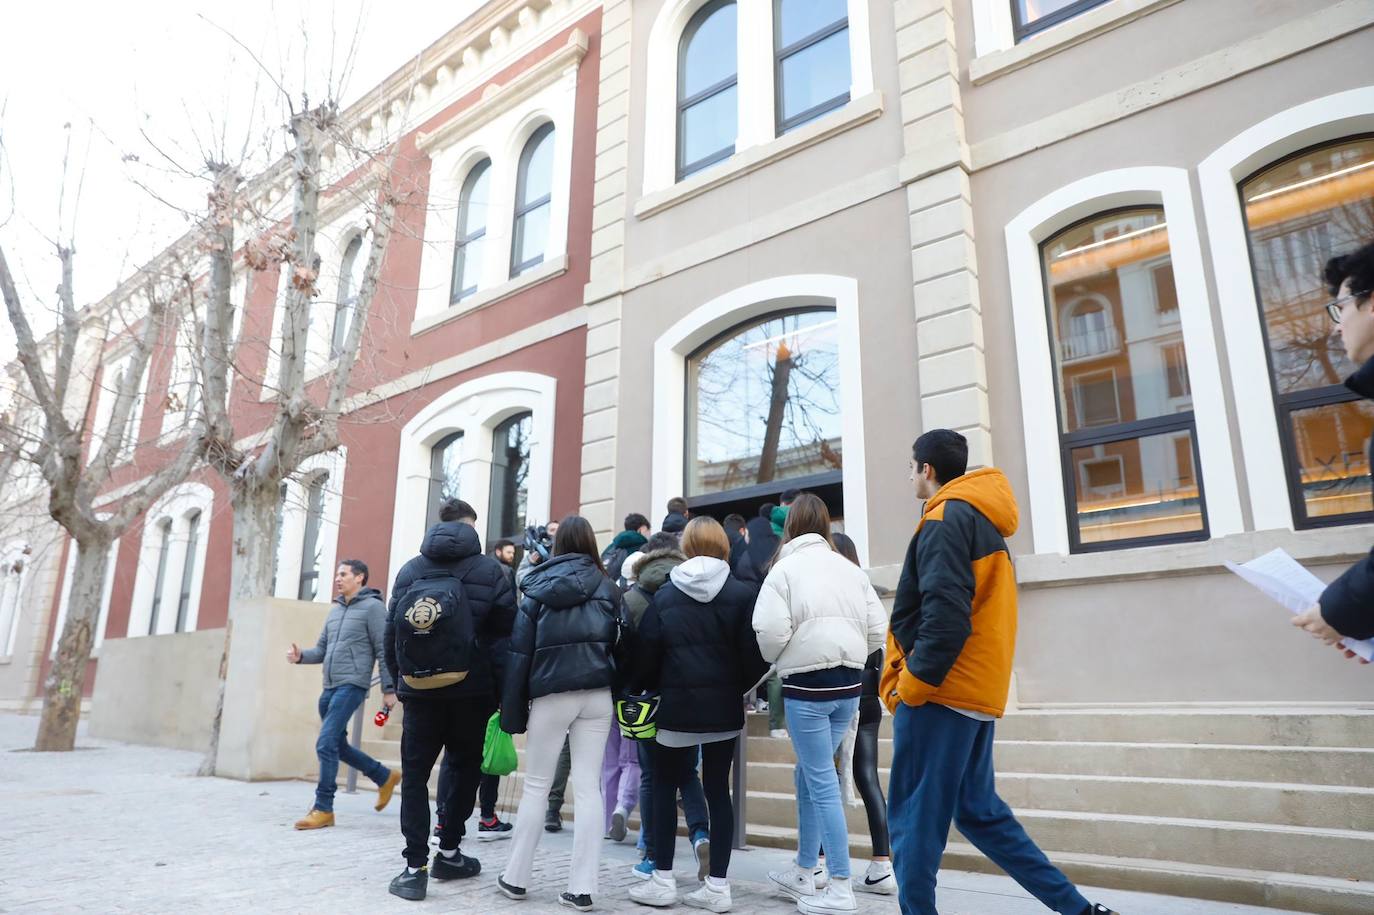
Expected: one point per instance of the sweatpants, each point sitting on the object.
(942, 772)
(458, 727)
(673, 767)
(620, 775)
(584, 717)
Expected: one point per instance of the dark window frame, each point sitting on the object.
(436, 490)
(1285, 405)
(462, 241)
(314, 519)
(1184, 420)
(684, 169)
(783, 125)
(524, 208)
(1023, 30)
(165, 527)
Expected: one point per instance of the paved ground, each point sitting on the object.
(119, 828)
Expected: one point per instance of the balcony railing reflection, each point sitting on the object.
(1090, 345)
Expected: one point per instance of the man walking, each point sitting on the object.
(451, 575)
(948, 670)
(349, 644)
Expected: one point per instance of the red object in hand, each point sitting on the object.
(382, 716)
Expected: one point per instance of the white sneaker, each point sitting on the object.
(710, 897)
(835, 899)
(879, 879)
(796, 882)
(822, 876)
(779, 733)
(657, 890)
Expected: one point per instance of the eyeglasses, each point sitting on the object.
(1334, 309)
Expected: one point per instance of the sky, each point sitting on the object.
(130, 94)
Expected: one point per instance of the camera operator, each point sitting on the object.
(538, 545)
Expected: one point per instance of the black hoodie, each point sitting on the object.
(454, 548)
(1348, 602)
(565, 636)
(752, 563)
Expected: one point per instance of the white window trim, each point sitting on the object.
(738, 306)
(1024, 234)
(499, 132)
(175, 506)
(1320, 120)
(994, 38)
(755, 92)
(13, 552)
(68, 570)
(291, 538)
(475, 408)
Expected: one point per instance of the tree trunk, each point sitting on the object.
(254, 502)
(67, 678)
(777, 404)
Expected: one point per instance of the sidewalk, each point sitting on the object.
(119, 828)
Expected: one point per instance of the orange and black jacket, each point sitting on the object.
(953, 630)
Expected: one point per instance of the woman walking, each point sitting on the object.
(558, 684)
(818, 619)
(697, 650)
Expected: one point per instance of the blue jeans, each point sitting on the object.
(693, 801)
(337, 706)
(942, 771)
(817, 729)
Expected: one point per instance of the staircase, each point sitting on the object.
(1265, 807)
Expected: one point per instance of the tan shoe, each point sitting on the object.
(387, 788)
(316, 819)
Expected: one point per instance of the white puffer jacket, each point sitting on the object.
(817, 610)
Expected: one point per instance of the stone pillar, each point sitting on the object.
(600, 415)
(935, 170)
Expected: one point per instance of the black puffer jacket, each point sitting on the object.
(454, 548)
(567, 635)
(751, 564)
(696, 647)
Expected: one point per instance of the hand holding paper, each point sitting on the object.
(1281, 578)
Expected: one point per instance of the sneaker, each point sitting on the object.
(581, 901)
(835, 899)
(493, 829)
(710, 897)
(822, 875)
(618, 830)
(315, 819)
(779, 733)
(644, 869)
(553, 822)
(509, 891)
(701, 847)
(386, 789)
(879, 879)
(657, 890)
(457, 867)
(796, 882)
(410, 886)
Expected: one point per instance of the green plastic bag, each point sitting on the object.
(498, 750)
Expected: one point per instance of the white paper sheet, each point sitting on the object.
(1283, 579)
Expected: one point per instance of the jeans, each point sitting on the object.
(817, 729)
(458, 727)
(673, 766)
(584, 718)
(693, 800)
(619, 775)
(942, 771)
(337, 706)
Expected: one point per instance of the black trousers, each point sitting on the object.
(866, 780)
(673, 766)
(488, 789)
(458, 727)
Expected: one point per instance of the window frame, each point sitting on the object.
(684, 169)
(501, 475)
(782, 125)
(1183, 420)
(483, 168)
(315, 494)
(524, 208)
(188, 567)
(1023, 30)
(436, 491)
(164, 527)
(346, 302)
(1285, 405)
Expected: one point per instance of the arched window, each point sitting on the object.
(350, 283)
(164, 528)
(310, 550)
(510, 470)
(533, 201)
(707, 84)
(445, 463)
(1299, 212)
(472, 232)
(811, 59)
(11, 586)
(188, 569)
(763, 410)
(1125, 407)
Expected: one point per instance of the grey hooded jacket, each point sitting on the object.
(352, 641)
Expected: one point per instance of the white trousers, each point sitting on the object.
(584, 717)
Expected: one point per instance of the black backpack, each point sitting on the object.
(434, 633)
(614, 560)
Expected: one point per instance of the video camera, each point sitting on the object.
(537, 540)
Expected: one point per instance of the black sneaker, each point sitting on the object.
(510, 892)
(455, 868)
(493, 829)
(553, 822)
(410, 886)
(582, 901)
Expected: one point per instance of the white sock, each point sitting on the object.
(449, 852)
(719, 883)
